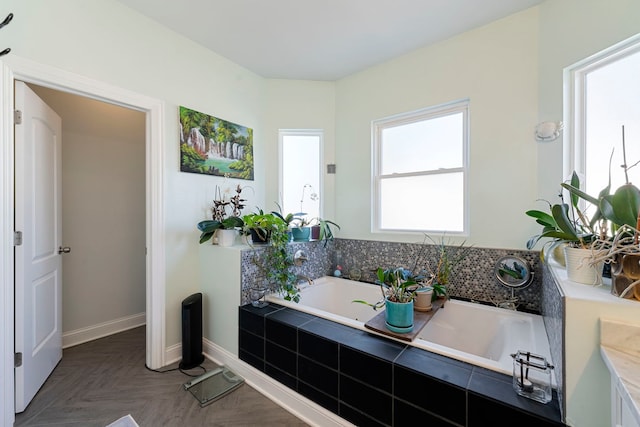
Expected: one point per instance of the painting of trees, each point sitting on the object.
(213, 146)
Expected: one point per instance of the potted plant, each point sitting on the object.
(300, 227)
(398, 289)
(448, 258)
(223, 225)
(322, 230)
(570, 228)
(261, 225)
(275, 262)
(620, 212)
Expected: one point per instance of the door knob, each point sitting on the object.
(64, 250)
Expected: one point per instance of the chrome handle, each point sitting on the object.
(64, 250)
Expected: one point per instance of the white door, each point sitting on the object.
(38, 274)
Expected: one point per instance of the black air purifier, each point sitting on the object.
(192, 332)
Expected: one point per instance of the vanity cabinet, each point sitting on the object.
(621, 415)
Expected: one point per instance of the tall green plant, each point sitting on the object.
(565, 222)
(396, 285)
(274, 261)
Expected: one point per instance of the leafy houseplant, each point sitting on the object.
(322, 230)
(398, 289)
(221, 219)
(448, 259)
(621, 211)
(274, 260)
(566, 223)
(261, 225)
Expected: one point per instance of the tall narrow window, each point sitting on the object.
(606, 94)
(420, 167)
(300, 183)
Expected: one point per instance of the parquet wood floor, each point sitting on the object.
(98, 382)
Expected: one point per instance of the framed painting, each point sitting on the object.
(212, 146)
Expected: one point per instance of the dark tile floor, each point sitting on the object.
(98, 382)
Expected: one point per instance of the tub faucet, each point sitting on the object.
(301, 277)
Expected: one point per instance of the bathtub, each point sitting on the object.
(482, 335)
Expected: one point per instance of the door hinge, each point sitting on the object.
(17, 238)
(17, 360)
(17, 117)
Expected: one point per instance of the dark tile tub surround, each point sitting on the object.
(373, 381)
(474, 278)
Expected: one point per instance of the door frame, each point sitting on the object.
(16, 68)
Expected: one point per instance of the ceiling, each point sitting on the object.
(322, 39)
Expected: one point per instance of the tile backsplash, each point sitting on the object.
(474, 277)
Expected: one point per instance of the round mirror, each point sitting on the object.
(513, 272)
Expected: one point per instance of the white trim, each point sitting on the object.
(12, 68)
(302, 132)
(7, 402)
(303, 408)
(90, 333)
(423, 114)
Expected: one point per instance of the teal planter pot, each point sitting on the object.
(399, 316)
(301, 234)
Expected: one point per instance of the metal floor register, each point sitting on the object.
(213, 385)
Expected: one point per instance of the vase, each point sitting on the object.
(315, 232)
(422, 301)
(399, 316)
(301, 234)
(226, 237)
(579, 268)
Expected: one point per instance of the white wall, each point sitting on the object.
(295, 104)
(103, 213)
(496, 68)
(106, 41)
(570, 31)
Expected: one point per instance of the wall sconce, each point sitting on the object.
(548, 131)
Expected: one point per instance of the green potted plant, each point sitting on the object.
(260, 226)
(322, 230)
(620, 214)
(300, 227)
(448, 258)
(223, 225)
(575, 233)
(275, 262)
(398, 289)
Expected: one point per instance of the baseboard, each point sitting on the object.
(90, 333)
(303, 408)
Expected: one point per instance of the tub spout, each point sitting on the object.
(301, 278)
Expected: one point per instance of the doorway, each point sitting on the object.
(103, 216)
(15, 68)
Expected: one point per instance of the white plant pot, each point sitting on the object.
(225, 237)
(579, 268)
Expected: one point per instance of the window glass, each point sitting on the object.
(410, 147)
(420, 170)
(612, 100)
(300, 172)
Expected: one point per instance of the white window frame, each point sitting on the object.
(433, 112)
(302, 132)
(574, 149)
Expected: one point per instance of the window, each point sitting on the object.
(605, 90)
(420, 169)
(300, 185)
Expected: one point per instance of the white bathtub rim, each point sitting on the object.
(424, 344)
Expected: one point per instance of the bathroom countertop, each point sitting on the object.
(620, 349)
